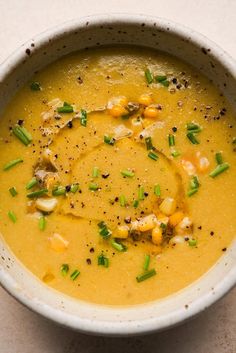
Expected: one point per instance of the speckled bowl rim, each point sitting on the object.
(147, 325)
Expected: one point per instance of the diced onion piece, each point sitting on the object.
(168, 206)
(176, 218)
(184, 227)
(178, 239)
(121, 131)
(46, 205)
(188, 166)
(58, 243)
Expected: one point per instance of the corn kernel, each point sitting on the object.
(123, 232)
(175, 218)
(147, 223)
(145, 99)
(151, 112)
(168, 206)
(157, 235)
(117, 110)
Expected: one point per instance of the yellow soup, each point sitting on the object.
(117, 180)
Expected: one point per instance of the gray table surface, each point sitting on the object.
(22, 331)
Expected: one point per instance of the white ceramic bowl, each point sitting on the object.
(106, 30)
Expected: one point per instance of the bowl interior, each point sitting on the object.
(94, 32)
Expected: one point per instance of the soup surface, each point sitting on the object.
(117, 180)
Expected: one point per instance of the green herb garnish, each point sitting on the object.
(103, 260)
(153, 156)
(66, 108)
(127, 173)
(74, 188)
(149, 145)
(74, 275)
(175, 154)
(65, 269)
(192, 192)
(31, 183)
(42, 223)
(171, 140)
(118, 246)
(35, 86)
(122, 200)
(141, 195)
(146, 275)
(192, 127)
(13, 191)
(38, 193)
(219, 169)
(59, 190)
(22, 134)
(192, 242)
(219, 158)
(83, 117)
(157, 190)
(11, 164)
(103, 230)
(149, 76)
(146, 262)
(95, 172)
(192, 138)
(135, 203)
(161, 78)
(194, 183)
(93, 187)
(109, 140)
(12, 216)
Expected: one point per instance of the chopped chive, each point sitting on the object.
(157, 190)
(192, 242)
(13, 191)
(59, 190)
(163, 225)
(234, 141)
(194, 183)
(83, 117)
(165, 83)
(93, 187)
(153, 156)
(175, 154)
(118, 246)
(64, 269)
(12, 216)
(146, 262)
(161, 78)
(109, 140)
(192, 192)
(192, 138)
(135, 203)
(103, 261)
(11, 164)
(127, 173)
(66, 108)
(192, 127)
(122, 200)
(74, 275)
(103, 230)
(95, 172)
(219, 169)
(74, 188)
(149, 76)
(22, 134)
(38, 193)
(171, 140)
(31, 183)
(35, 86)
(42, 223)
(148, 141)
(141, 195)
(219, 158)
(146, 275)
